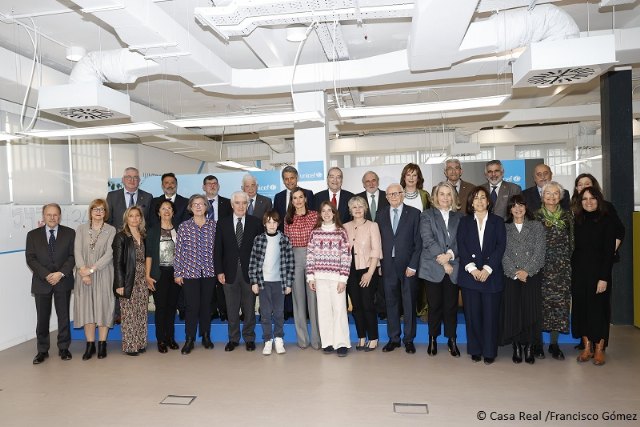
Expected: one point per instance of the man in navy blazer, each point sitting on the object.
(282, 199)
(335, 194)
(169, 184)
(542, 175)
(119, 200)
(231, 261)
(401, 246)
(50, 256)
(258, 204)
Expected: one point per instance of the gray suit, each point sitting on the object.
(437, 239)
(118, 204)
(261, 205)
(507, 189)
(525, 249)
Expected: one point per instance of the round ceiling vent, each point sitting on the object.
(562, 76)
(86, 113)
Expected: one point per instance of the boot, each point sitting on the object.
(432, 350)
(102, 349)
(206, 341)
(453, 347)
(188, 346)
(598, 357)
(528, 354)
(90, 351)
(517, 353)
(587, 352)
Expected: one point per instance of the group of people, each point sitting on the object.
(519, 262)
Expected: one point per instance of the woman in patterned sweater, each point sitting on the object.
(328, 263)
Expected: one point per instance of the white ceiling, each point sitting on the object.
(248, 74)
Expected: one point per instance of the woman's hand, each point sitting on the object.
(522, 275)
(255, 288)
(287, 291)
(341, 287)
(86, 280)
(84, 272)
(484, 275)
(151, 283)
(312, 285)
(179, 281)
(365, 280)
(602, 286)
(120, 291)
(442, 259)
(448, 268)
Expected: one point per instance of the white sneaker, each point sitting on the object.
(280, 346)
(267, 348)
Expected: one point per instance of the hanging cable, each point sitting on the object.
(295, 61)
(34, 42)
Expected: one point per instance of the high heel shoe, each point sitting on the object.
(453, 347)
(432, 350)
(371, 345)
(102, 349)
(517, 353)
(361, 344)
(188, 346)
(90, 350)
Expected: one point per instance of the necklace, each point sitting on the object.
(363, 223)
(411, 196)
(92, 240)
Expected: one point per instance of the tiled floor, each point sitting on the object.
(308, 388)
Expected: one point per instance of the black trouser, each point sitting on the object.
(362, 301)
(239, 295)
(61, 299)
(165, 299)
(197, 298)
(442, 298)
(218, 303)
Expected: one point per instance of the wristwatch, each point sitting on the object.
(91, 270)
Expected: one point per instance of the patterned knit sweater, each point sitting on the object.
(328, 255)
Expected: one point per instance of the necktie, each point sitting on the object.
(334, 202)
(395, 220)
(373, 207)
(239, 232)
(52, 243)
(494, 194)
(211, 212)
(250, 210)
(131, 201)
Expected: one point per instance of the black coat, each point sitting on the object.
(124, 264)
(226, 252)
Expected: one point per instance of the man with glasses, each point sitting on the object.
(401, 246)
(453, 172)
(120, 200)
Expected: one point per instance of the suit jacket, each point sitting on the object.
(224, 208)
(507, 189)
(407, 240)
(381, 204)
(117, 206)
(280, 204)
(343, 203)
(469, 251)
(532, 197)
(437, 239)
(525, 249)
(261, 205)
(38, 260)
(463, 194)
(180, 212)
(226, 252)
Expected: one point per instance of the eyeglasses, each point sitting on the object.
(197, 204)
(97, 210)
(395, 194)
(131, 178)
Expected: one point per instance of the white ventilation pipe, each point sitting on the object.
(112, 66)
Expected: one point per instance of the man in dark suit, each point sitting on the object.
(234, 241)
(258, 204)
(120, 200)
(49, 254)
(533, 195)
(169, 190)
(335, 194)
(219, 208)
(282, 200)
(499, 191)
(453, 172)
(401, 246)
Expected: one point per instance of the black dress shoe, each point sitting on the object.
(342, 351)
(64, 354)
(555, 351)
(40, 357)
(528, 355)
(206, 341)
(250, 345)
(432, 350)
(173, 345)
(360, 347)
(475, 358)
(409, 348)
(231, 345)
(89, 351)
(453, 347)
(142, 350)
(188, 346)
(390, 346)
(162, 347)
(517, 353)
(328, 350)
(131, 353)
(102, 349)
(371, 345)
(538, 352)
(489, 360)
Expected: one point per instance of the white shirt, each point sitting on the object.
(235, 221)
(337, 193)
(127, 197)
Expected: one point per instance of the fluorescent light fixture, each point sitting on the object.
(97, 130)
(577, 162)
(75, 53)
(250, 119)
(252, 169)
(296, 33)
(427, 107)
(4, 136)
(231, 164)
(435, 160)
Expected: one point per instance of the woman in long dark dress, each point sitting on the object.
(522, 262)
(591, 264)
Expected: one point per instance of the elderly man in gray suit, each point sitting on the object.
(499, 191)
(258, 204)
(120, 200)
(453, 173)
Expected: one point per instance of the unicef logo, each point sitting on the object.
(318, 175)
(517, 178)
(272, 187)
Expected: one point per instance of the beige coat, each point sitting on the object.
(365, 241)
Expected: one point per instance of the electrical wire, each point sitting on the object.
(295, 61)
(34, 41)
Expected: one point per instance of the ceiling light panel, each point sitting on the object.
(129, 128)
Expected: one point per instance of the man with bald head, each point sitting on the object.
(533, 195)
(258, 204)
(401, 245)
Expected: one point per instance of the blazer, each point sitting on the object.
(463, 194)
(407, 240)
(224, 207)
(180, 212)
(493, 247)
(261, 205)
(365, 241)
(507, 189)
(280, 204)
(152, 249)
(437, 239)
(525, 249)
(38, 260)
(226, 253)
(532, 197)
(381, 204)
(124, 264)
(117, 206)
(343, 203)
